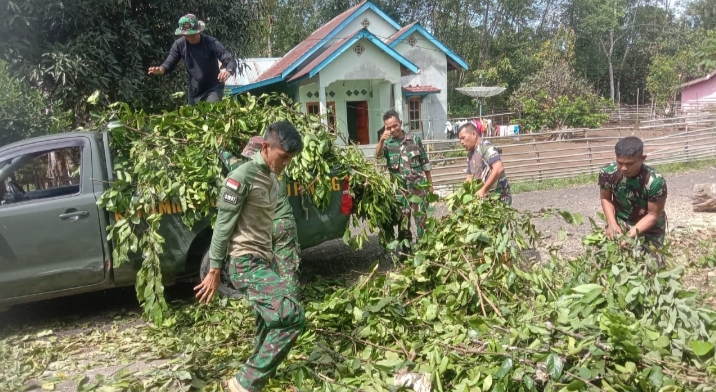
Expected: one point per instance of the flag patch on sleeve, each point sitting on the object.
(232, 184)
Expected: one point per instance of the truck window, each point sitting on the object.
(40, 175)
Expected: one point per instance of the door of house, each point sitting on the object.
(357, 118)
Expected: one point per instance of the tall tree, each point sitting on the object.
(70, 48)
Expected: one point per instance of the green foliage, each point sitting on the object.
(25, 112)
(579, 112)
(666, 73)
(467, 309)
(68, 49)
(172, 157)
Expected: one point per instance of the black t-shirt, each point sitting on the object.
(201, 62)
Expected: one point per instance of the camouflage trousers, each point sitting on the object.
(286, 252)
(279, 318)
(418, 211)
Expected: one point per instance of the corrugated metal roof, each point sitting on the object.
(316, 38)
(252, 69)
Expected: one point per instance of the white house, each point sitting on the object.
(359, 65)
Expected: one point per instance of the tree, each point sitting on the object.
(69, 48)
(667, 73)
(25, 112)
(606, 22)
(555, 96)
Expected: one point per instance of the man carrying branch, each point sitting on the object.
(201, 54)
(483, 163)
(244, 225)
(633, 195)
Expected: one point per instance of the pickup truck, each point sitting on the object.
(53, 236)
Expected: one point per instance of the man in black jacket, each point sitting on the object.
(201, 54)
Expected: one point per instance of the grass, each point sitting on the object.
(586, 179)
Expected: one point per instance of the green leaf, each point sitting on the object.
(656, 376)
(576, 385)
(504, 370)
(662, 342)
(700, 348)
(554, 366)
(487, 383)
(585, 288)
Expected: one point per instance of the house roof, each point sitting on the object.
(420, 90)
(454, 61)
(251, 71)
(341, 46)
(309, 57)
(399, 33)
(699, 80)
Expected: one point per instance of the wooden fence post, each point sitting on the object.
(539, 164)
(591, 164)
(686, 145)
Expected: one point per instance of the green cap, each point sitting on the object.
(189, 24)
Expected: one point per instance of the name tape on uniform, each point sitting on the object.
(230, 198)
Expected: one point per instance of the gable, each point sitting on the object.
(346, 47)
(379, 26)
(426, 41)
(373, 63)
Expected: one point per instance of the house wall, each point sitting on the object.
(695, 96)
(378, 26)
(433, 72)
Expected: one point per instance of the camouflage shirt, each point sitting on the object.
(407, 160)
(632, 195)
(283, 207)
(479, 165)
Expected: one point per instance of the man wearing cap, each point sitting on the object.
(286, 249)
(201, 54)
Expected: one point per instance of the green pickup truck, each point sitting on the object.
(53, 236)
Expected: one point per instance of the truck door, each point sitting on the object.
(50, 239)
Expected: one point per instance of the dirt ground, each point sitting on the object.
(93, 312)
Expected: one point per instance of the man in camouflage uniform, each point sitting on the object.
(633, 195)
(244, 224)
(408, 164)
(286, 249)
(483, 163)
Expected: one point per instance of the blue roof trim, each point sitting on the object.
(242, 89)
(364, 33)
(364, 7)
(454, 57)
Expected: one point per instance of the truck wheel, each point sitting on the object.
(225, 289)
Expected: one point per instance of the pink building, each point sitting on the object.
(698, 93)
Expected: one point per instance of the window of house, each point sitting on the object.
(313, 108)
(40, 175)
(414, 114)
(331, 117)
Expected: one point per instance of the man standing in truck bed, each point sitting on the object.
(201, 54)
(409, 165)
(244, 223)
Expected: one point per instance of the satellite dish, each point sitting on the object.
(481, 93)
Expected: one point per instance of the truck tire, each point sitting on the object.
(225, 289)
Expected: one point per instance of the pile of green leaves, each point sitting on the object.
(173, 156)
(468, 309)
